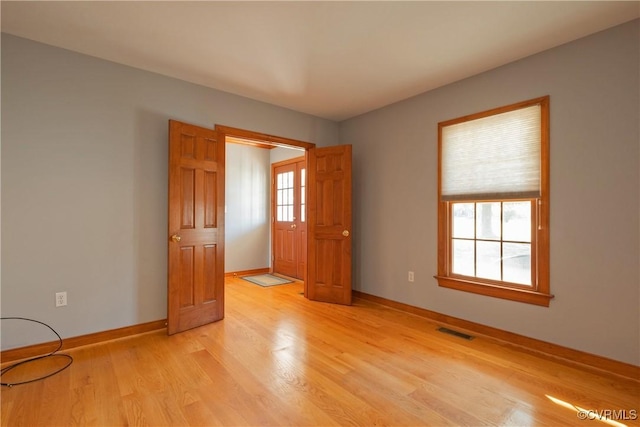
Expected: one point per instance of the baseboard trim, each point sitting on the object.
(69, 343)
(248, 272)
(555, 351)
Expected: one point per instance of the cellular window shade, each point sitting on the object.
(494, 157)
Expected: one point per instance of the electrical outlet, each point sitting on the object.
(411, 276)
(61, 299)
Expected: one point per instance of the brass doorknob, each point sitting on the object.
(345, 233)
(176, 238)
(293, 226)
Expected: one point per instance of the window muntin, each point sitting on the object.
(284, 196)
(492, 240)
(493, 215)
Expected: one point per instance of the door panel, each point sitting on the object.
(196, 237)
(188, 180)
(210, 269)
(329, 225)
(210, 199)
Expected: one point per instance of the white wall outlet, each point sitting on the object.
(411, 276)
(61, 299)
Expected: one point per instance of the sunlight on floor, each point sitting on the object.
(600, 415)
(520, 417)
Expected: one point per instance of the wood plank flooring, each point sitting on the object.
(279, 359)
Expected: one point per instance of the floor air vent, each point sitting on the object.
(455, 333)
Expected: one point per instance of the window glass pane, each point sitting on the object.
(463, 224)
(279, 198)
(516, 221)
(290, 196)
(279, 216)
(463, 257)
(517, 263)
(488, 221)
(303, 194)
(488, 260)
(279, 181)
(290, 213)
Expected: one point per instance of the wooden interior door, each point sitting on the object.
(329, 215)
(196, 227)
(289, 218)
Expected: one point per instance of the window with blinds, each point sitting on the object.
(494, 202)
(493, 157)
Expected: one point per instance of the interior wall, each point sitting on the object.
(247, 199)
(280, 154)
(84, 183)
(595, 194)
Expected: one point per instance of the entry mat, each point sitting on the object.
(266, 280)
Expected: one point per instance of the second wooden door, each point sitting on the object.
(329, 215)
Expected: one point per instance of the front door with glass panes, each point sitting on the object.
(289, 222)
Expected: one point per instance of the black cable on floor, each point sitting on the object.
(23, 362)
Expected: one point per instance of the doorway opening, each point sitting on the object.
(264, 211)
(196, 226)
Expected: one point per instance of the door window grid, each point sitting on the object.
(284, 197)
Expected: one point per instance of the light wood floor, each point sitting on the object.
(278, 359)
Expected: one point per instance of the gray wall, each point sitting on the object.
(280, 154)
(595, 194)
(248, 205)
(84, 183)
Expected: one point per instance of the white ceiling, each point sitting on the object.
(331, 59)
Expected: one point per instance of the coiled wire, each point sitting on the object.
(33, 359)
